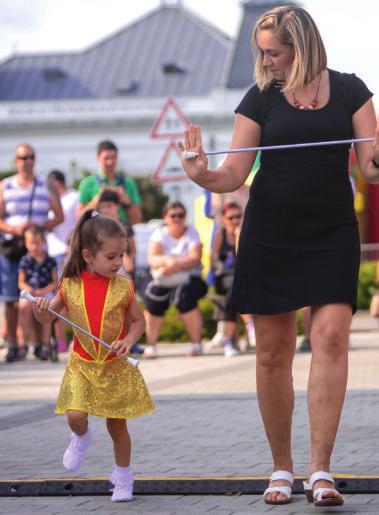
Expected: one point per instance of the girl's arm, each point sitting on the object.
(235, 168)
(41, 305)
(137, 325)
(22, 285)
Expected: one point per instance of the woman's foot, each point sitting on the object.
(320, 490)
(279, 490)
(150, 352)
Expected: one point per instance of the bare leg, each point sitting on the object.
(153, 327)
(78, 421)
(193, 322)
(327, 381)
(25, 322)
(11, 314)
(122, 446)
(276, 343)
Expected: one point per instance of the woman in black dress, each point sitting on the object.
(299, 243)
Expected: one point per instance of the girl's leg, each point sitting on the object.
(80, 439)
(327, 381)
(193, 322)
(276, 344)
(122, 446)
(77, 421)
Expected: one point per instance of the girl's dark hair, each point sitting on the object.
(172, 204)
(90, 232)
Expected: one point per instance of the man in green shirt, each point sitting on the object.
(108, 177)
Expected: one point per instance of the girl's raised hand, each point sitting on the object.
(196, 166)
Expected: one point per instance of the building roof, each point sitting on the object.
(170, 50)
(241, 73)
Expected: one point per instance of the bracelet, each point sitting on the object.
(375, 163)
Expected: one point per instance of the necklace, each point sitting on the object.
(314, 102)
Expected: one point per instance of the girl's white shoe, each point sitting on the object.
(75, 452)
(123, 485)
(285, 490)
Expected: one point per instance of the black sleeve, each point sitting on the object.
(252, 105)
(359, 93)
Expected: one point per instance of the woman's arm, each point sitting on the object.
(56, 208)
(364, 126)
(235, 168)
(215, 252)
(155, 257)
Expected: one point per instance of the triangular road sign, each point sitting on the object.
(171, 122)
(170, 167)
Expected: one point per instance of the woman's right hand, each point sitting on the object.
(195, 167)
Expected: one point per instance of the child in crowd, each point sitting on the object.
(37, 273)
(109, 205)
(98, 381)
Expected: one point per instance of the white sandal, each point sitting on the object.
(284, 489)
(317, 496)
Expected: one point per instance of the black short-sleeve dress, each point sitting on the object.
(299, 243)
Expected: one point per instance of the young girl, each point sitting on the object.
(98, 381)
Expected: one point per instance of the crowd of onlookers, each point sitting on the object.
(37, 217)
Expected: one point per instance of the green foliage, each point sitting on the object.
(6, 173)
(366, 284)
(153, 199)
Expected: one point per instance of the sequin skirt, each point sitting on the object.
(110, 389)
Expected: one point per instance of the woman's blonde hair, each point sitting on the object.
(293, 27)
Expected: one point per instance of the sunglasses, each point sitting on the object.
(25, 158)
(177, 215)
(234, 217)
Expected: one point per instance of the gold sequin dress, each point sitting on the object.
(96, 380)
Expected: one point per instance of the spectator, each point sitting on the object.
(109, 178)
(58, 239)
(222, 262)
(109, 204)
(24, 199)
(37, 274)
(175, 259)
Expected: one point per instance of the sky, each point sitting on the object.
(349, 27)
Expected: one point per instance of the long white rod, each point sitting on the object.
(26, 295)
(190, 155)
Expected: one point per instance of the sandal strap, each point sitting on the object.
(317, 476)
(286, 490)
(282, 475)
(318, 494)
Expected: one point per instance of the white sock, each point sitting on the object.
(123, 470)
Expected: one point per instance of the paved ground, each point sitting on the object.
(206, 424)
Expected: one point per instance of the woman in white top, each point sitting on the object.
(175, 259)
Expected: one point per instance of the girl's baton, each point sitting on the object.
(26, 295)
